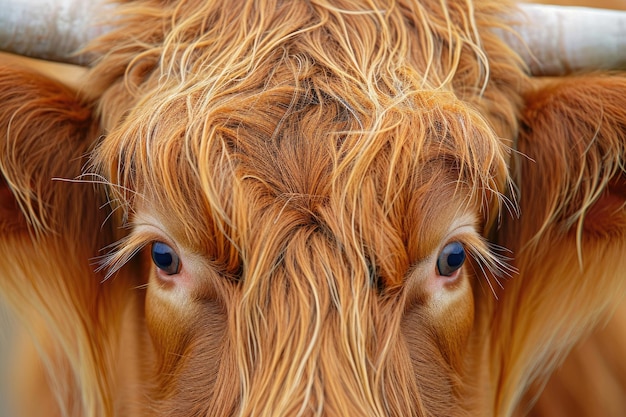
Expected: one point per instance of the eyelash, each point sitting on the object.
(126, 249)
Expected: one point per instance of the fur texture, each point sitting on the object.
(307, 163)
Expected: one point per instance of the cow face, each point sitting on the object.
(296, 251)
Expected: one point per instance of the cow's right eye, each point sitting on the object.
(165, 258)
(451, 259)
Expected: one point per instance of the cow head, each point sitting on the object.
(307, 201)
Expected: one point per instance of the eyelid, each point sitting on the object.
(463, 233)
(151, 233)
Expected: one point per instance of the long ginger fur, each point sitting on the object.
(306, 160)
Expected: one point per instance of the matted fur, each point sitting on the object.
(308, 161)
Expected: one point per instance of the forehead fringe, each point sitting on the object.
(378, 81)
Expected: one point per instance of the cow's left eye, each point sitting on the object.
(165, 258)
(450, 259)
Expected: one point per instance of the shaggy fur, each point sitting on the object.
(308, 161)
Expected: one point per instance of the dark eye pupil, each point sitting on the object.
(456, 259)
(451, 259)
(165, 258)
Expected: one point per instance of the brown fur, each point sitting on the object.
(308, 162)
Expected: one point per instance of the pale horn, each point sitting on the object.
(50, 29)
(557, 40)
(552, 40)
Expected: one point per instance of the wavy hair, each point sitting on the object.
(305, 146)
(306, 160)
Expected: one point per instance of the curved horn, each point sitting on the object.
(556, 40)
(49, 29)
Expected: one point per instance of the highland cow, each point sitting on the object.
(311, 208)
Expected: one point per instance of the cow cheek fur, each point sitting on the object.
(188, 335)
(436, 331)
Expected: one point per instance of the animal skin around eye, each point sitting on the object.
(179, 269)
(438, 277)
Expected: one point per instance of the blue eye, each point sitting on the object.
(165, 258)
(450, 259)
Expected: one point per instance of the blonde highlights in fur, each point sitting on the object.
(303, 147)
(304, 166)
